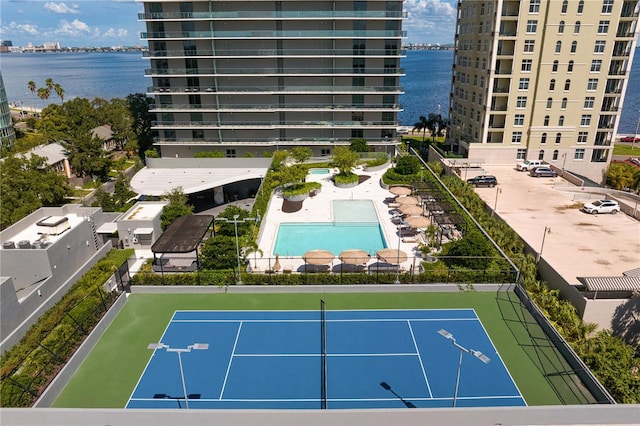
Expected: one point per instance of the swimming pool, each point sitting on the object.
(355, 226)
(319, 171)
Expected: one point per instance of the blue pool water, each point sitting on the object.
(319, 171)
(355, 226)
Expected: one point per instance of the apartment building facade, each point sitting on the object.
(541, 79)
(247, 77)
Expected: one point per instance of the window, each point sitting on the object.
(599, 46)
(580, 7)
(592, 84)
(564, 103)
(230, 153)
(518, 120)
(558, 46)
(585, 120)
(561, 27)
(582, 137)
(554, 67)
(543, 139)
(516, 137)
(561, 120)
(589, 101)
(570, 66)
(565, 4)
(576, 27)
(596, 64)
(325, 152)
(529, 45)
(357, 133)
(523, 84)
(607, 6)
(567, 84)
(579, 154)
(521, 154)
(521, 102)
(534, 6)
(558, 137)
(552, 84)
(555, 154)
(574, 46)
(541, 154)
(546, 121)
(603, 27)
(526, 65)
(549, 103)
(532, 26)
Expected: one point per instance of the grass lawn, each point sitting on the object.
(626, 149)
(110, 373)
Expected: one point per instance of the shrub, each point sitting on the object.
(345, 178)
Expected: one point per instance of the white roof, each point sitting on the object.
(53, 152)
(107, 228)
(158, 181)
(143, 231)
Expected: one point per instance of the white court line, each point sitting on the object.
(338, 399)
(226, 376)
(424, 373)
(328, 320)
(328, 355)
(149, 361)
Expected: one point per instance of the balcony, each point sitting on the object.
(269, 124)
(278, 89)
(266, 34)
(234, 140)
(273, 52)
(264, 71)
(273, 107)
(254, 15)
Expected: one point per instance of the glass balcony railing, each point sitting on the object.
(270, 15)
(269, 124)
(278, 89)
(273, 107)
(266, 70)
(266, 34)
(273, 52)
(272, 141)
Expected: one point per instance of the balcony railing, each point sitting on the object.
(273, 107)
(266, 141)
(278, 89)
(265, 34)
(276, 71)
(269, 124)
(270, 15)
(274, 52)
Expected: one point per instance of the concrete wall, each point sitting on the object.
(207, 163)
(26, 313)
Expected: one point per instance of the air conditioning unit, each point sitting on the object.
(135, 240)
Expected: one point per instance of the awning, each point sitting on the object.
(143, 231)
(623, 283)
(107, 228)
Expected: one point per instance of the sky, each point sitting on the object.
(90, 23)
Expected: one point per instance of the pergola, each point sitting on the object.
(184, 235)
(619, 284)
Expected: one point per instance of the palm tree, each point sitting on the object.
(49, 83)
(43, 93)
(421, 125)
(59, 91)
(31, 85)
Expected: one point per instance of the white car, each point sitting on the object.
(529, 165)
(602, 206)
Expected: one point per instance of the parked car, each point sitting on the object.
(601, 206)
(485, 180)
(529, 164)
(543, 172)
(629, 139)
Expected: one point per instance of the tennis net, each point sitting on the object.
(323, 354)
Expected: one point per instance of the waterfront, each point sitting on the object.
(116, 74)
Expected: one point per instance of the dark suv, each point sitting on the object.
(486, 180)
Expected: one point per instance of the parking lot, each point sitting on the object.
(577, 244)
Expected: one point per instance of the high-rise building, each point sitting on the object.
(244, 77)
(541, 79)
(7, 132)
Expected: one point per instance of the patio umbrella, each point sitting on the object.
(418, 222)
(354, 257)
(410, 210)
(318, 257)
(392, 256)
(405, 200)
(400, 190)
(276, 266)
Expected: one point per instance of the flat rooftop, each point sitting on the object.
(34, 233)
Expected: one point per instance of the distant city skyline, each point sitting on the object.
(115, 22)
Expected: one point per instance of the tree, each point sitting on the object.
(228, 229)
(104, 200)
(209, 154)
(359, 145)
(344, 159)
(121, 191)
(422, 126)
(177, 207)
(407, 165)
(87, 156)
(473, 251)
(301, 153)
(26, 184)
(219, 252)
(620, 175)
(59, 91)
(139, 105)
(31, 85)
(433, 122)
(43, 93)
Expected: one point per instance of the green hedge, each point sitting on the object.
(29, 366)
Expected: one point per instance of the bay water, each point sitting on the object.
(116, 74)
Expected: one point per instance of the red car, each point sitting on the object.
(629, 139)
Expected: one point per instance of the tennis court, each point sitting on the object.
(312, 359)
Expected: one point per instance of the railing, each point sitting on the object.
(257, 34)
(275, 52)
(252, 15)
(271, 124)
(272, 70)
(301, 141)
(280, 89)
(274, 107)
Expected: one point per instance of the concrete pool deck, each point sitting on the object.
(319, 209)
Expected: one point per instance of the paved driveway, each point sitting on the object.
(578, 244)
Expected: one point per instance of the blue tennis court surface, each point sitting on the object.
(274, 359)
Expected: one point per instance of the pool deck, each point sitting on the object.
(318, 209)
